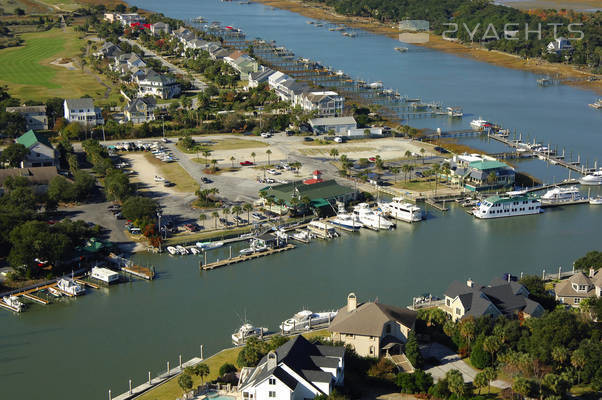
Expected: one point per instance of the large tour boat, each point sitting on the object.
(402, 210)
(595, 178)
(507, 206)
(305, 320)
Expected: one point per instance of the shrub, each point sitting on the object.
(479, 358)
(226, 368)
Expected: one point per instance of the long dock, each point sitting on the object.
(36, 298)
(241, 258)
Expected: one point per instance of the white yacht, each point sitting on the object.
(13, 303)
(204, 246)
(70, 286)
(507, 206)
(172, 250)
(345, 220)
(371, 219)
(597, 104)
(302, 236)
(257, 246)
(305, 319)
(561, 195)
(245, 332)
(194, 250)
(596, 200)
(479, 124)
(595, 178)
(401, 210)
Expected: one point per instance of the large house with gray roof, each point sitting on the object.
(371, 328)
(510, 299)
(579, 287)
(83, 112)
(296, 370)
(35, 116)
(158, 85)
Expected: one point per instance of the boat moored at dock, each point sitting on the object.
(372, 219)
(507, 206)
(480, 124)
(593, 179)
(596, 201)
(70, 286)
(245, 332)
(400, 209)
(205, 246)
(560, 195)
(322, 230)
(13, 303)
(304, 320)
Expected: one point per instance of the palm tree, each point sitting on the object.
(203, 217)
(226, 212)
(214, 165)
(436, 169)
(408, 154)
(406, 169)
(215, 216)
(334, 153)
(268, 152)
(455, 382)
(248, 208)
(253, 156)
(422, 151)
(491, 375)
(201, 370)
(232, 159)
(394, 171)
(206, 154)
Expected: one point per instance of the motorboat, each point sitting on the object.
(401, 49)
(181, 250)
(71, 287)
(245, 332)
(304, 320)
(194, 250)
(54, 292)
(595, 178)
(302, 236)
(172, 250)
(205, 246)
(480, 124)
(507, 206)
(455, 112)
(345, 220)
(13, 303)
(596, 200)
(400, 209)
(256, 246)
(371, 219)
(560, 195)
(159, 178)
(322, 229)
(597, 104)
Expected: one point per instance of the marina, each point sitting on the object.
(245, 257)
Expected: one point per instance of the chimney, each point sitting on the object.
(272, 360)
(469, 283)
(592, 272)
(351, 302)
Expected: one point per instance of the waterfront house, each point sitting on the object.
(320, 194)
(160, 28)
(276, 82)
(324, 103)
(141, 110)
(159, 85)
(82, 111)
(579, 287)
(195, 44)
(338, 125)
(35, 116)
(296, 370)
(559, 45)
(129, 19)
(258, 77)
(371, 327)
(37, 177)
(510, 299)
(108, 50)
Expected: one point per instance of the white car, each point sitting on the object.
(273, 172)
(338, 139)
(266, 135)
(159, 178)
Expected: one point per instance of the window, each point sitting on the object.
(372, 350)
(272, 394)
(388, 328)
(272, 381)
(576, 300)
(448, 302)
(458, 311)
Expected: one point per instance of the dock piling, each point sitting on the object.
(180, 362)
(149, 378)
(201, 352)
(130, 386)
(110, 398)
(168, 368)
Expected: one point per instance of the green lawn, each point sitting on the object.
(29, 74)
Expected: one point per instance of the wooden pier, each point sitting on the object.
(436, 206)
(86, 283)
(241, 258)
(147, 273)
(35, 298)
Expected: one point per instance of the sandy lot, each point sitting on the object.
(145, 174)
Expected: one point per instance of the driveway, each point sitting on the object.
(449, 360)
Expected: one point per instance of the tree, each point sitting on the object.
(215, 216)
(236, 210)
(394, 171)
(468, 329)
(138, 208)
(185, 382)
(59, 189)
(117, 185)
(560, 355)
(592, 259)
(478, 356)
(491, 375)
(334, 153)
(412, 351)
(492, 345)
(214, 165)
(206, 154)
(14, 154)
(538, 292)
(422, 151)
(202, 217)
(522, 386)
(480, 381)
(253, 155)
(248, 208)
(226, 368)
(436, 169)
(268, 152)
(201, 370)
(455, 382)
(578, 360)
(232, 159)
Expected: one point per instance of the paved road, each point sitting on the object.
(171, 67)
(449, 360)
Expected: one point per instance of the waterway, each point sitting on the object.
(81, 348)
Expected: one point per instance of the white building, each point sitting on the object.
(41, 153)
(162, 86)
(261, 76)
(325, 103)
(35, 116)
(128, 19)
(340, 125)
(296, 370)
(82, 111)
(559, 45)
(159, 28)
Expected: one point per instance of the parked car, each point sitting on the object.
(372, 159)
(441, 150)
(290, 133)
(266, 135)
(245, 163)
(419, 174)
(168, 184)
(206, 180)
(273, 172)
(257, 216)
(308, 139)
(338, 139)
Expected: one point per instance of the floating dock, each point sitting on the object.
(35, 298)
(147, 273)
(241, 258)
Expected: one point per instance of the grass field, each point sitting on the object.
(174, 173)
(27, 71)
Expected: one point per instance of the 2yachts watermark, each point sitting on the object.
(417, 31)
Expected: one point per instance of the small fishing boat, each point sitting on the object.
(596, 200)
(194, 250)
(205, 246)
(181, 250)
(172, 250)
(597, 105)
(401, 49)
(54, 292)
(70, 286)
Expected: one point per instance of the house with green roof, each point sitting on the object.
(483, 175)
(319, 194)
(41, 152)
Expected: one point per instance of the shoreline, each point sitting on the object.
(494, 57)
